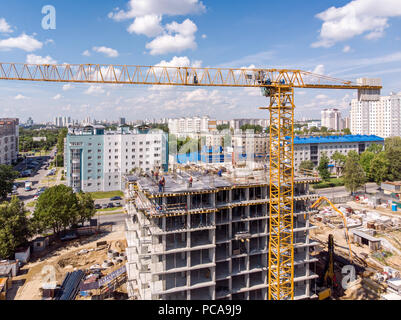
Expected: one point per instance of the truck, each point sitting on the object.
(28, 186)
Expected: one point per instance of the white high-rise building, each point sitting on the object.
(331, 119)
(379, 117)
(182, 127)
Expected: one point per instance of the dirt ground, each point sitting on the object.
(63, 260)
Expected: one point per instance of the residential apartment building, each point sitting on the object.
(210, 241)
(9, 140)
(331, 119)
(312, 148)
(236, 124)
(182, 127)
(96, 159)
(250, 146)
(379, 116)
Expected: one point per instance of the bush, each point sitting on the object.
(332, 183)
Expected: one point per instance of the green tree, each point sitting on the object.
(222, 127)
(255, 128)
(86, 207)
(15, 228)
(323, 167)
(339, 162)
(375, 148)
(379, 168)
(354, 175)
(306, 165)
(60, 147)
(57, 208)
(7, 178)
(393, 154)
(366, 163)
(347, 131)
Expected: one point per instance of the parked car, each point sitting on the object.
(110, 205)
(117, 204)
(115, 198)
(98, 206)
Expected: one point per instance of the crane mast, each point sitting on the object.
(276, 84)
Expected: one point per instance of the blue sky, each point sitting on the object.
(345, 39)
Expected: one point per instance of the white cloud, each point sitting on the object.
(358, 17)
(321, 97)
(67, 87)
(180, 62)
(34, 59)
(49, 41)
(149, 25)
(179, 37)
(111, 53)
(139, 8)
(23, 42)
(347, 49)
(20, 97)
(204, 36)
(319, 69)
(57, 97)
(94, 90)
(148, 16)
(86, 53)
(4, 26)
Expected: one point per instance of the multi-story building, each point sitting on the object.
(379, 116)
(250, 146)
(183, 127)
(209, 241)
(96, 159)
(312, 148)
(236, 124)
(9, 140)
(331, 119)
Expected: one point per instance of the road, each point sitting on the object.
(342, 192)
(116, 219)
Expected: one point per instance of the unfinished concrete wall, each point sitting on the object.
(212, 245)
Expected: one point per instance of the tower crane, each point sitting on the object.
(277, 85)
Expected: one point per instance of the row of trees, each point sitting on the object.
(57, 209)
(323, 131)
(59, 161)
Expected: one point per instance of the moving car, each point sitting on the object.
(115, 198)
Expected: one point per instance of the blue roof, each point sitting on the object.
(337, 139)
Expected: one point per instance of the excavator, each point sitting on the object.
(330, 280)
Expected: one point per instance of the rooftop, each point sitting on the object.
(338, 139)
(206, 178)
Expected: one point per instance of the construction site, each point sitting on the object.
(205, 235)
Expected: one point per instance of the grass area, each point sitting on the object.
(333, 182)
(106, 195)
(31, 204)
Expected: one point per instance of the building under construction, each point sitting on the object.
(204, 235)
